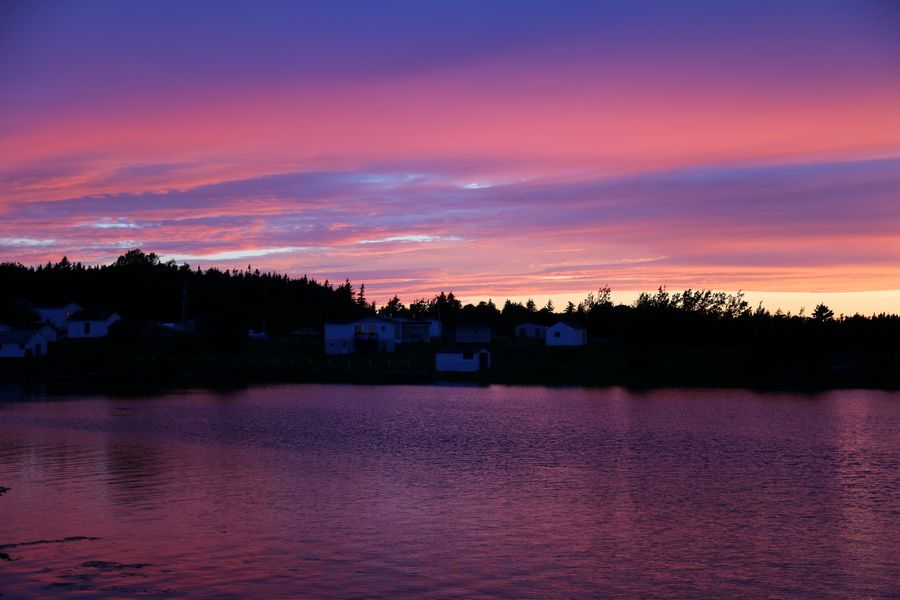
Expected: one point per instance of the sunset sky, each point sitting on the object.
(496, 149)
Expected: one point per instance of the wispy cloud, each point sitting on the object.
(27, 242)
(416, 238)
(234, 254)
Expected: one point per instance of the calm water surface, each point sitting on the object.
(353, 491)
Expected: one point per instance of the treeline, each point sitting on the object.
(690, 317)
(141, 287)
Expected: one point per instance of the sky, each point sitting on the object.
(496, 149)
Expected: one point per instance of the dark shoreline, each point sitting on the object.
(84, 370)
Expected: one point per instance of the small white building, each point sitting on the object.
(566, 334)
(462, 361)
(57, 315)
(22, 343)
(531, 331)
(90, 324)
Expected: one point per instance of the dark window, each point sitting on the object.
(468, 355)
(87, 327)
(21, 345)
(555, 334)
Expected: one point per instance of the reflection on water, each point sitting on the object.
(323, 491)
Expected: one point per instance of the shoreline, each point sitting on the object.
(116, 387)
(109, 367)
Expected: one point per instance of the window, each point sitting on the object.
(87, 327)
(555, 334)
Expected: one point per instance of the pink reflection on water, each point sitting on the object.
(434, 492)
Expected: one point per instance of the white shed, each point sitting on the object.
(462, 361)
(566, 334)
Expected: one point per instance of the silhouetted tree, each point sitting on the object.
(393, 308)
(822, 313)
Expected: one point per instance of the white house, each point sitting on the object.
(22, 343)
(377, 334)
(531, 331)
(57, 315)
(90, 324)
(462, 361)
(566, 334)
(372, 334)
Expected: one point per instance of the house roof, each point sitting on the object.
(92, 315)
(570, 325)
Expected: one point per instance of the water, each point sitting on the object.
(354, 491)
